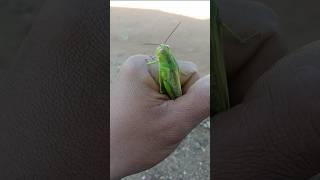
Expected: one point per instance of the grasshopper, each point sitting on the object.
(221, 101)
(169, 71)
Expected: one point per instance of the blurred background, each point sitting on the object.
(16, 18)
(131, 27)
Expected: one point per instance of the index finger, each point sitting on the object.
(246, 62)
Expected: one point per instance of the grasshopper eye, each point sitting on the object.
(162, 51)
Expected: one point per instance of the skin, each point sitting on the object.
(272, 130)
(274, 133)
(246, 62)
(54, 105)
(145, 125)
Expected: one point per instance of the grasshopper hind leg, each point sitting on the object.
(168, 89)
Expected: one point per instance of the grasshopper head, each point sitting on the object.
(164, 48)
(163, 52)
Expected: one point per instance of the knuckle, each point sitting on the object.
(193, 66)
(188, 68)
(258, 17)
(133, 64)
(268, 18)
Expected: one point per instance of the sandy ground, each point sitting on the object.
(131, 28)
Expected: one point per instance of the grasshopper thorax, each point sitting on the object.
(164, 54)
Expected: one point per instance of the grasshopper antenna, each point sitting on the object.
(172, 32)
(156, 44)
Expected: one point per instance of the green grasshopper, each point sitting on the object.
(169, 71)
(221, 100)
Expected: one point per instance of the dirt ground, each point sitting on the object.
(131, 28)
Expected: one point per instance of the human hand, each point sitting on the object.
(272, 131)
(54, 101)
(246, 62)
(145, 126)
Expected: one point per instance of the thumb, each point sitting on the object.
(192, 107)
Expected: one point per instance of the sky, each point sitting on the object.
(193, 9)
